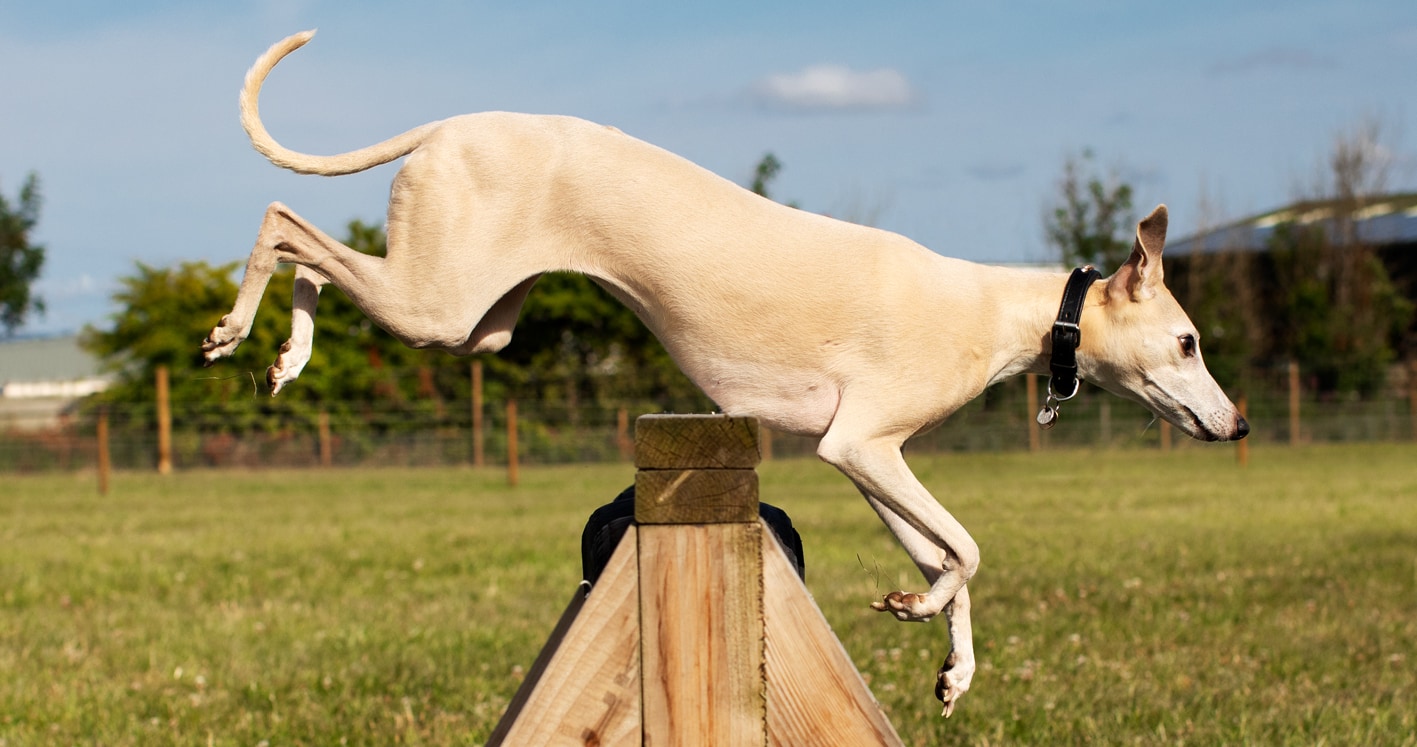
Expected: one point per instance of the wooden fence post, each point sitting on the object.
(164, 424)
(104, 464)
(698, 631)
(1104, 422)
(478, 458)
(1412, 395)
(1293, 403)
(1165, 436)
(327, 449)
(513, 471)
(623, 443)
(1242, 447)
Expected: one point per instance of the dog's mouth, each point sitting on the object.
(1198, 428)
(1180, 414)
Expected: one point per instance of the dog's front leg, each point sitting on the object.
(295, 353)
(955, 675)
(939, 545)
(957, 671)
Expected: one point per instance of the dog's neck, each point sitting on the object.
(1025, 323)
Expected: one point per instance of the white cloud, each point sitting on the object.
(835, 88)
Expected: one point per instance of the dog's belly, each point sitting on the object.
(802, 403)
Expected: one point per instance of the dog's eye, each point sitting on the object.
(1188, 346)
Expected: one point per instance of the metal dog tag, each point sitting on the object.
(1047, 417)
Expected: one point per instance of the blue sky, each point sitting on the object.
(945, 121)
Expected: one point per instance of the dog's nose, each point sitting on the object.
(1242, 428)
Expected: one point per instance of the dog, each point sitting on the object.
(817, 327)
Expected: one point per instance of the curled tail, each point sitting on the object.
(344, 163)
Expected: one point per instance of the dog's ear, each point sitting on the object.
(1139, 278)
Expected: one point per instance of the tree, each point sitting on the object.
(576, 343)
(764, 174)
(1221, 290)
(1093, 220)
(20, 260)
(1344, 340)
(1338, 312)
(164, 314)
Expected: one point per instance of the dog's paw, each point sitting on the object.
(906, 606)
(952, 682)
(221, 342)
(287, 367)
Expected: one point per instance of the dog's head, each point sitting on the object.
(1138, 343)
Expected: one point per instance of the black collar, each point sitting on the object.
(1063, 385)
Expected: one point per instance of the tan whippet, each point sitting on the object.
(815, 326)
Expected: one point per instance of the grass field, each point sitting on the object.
(1125, 597)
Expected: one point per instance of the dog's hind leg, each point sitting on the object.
(295, 353)
(287, 238)
(494, 331)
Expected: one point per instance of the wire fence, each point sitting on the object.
(369, 434)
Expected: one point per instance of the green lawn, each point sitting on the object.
(1124, 597)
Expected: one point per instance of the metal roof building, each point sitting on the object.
(41, 378)
(1387, 221)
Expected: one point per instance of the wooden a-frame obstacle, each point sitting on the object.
(699, 631)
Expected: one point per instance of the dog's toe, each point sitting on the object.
(220, 343)
(905, 606)
(950, 685)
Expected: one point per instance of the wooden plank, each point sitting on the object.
(538, 667)
(696, 442)
(696, 496)
(701, 613)
(815, 696)
(589, 691)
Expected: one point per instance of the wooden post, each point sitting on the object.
(104, 465)
(699, 631)
(327, 449)
(478, 459)
(1293, 403)
(1412, 395)
(513, 477)
(1035, 434)
(1165, 436)
(164, 424)
(1104, 424)
(623, 443)
(1242, 447)
(696, 503)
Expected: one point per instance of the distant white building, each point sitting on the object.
(41, 380)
